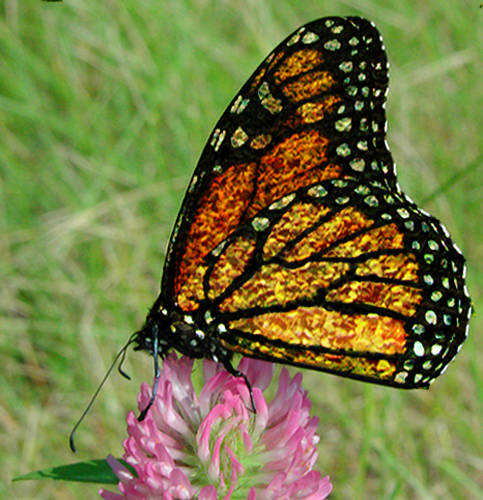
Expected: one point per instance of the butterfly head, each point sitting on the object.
(172, 331)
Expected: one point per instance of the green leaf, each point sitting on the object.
(92, 471)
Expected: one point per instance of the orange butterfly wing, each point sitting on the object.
(313, 110)
(342, 277)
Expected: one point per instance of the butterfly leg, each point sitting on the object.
(236, 373)
(156, 373)
(123, 357)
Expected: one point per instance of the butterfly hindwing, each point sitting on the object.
(341, 276)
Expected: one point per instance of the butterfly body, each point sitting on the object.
(295, 243)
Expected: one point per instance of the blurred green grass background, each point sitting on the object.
(104, 109)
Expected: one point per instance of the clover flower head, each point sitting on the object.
(212, 446)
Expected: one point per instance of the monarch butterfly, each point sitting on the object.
(295, 243)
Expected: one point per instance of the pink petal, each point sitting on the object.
(109, 495)
(208, 493)
(258, 372)
(119, 470)
(252, 495)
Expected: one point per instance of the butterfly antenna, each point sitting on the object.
(156, 374)
(120, 355)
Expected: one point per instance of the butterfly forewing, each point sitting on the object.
(313, 110)
(294, 242)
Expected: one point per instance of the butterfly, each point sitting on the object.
(295, 243)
